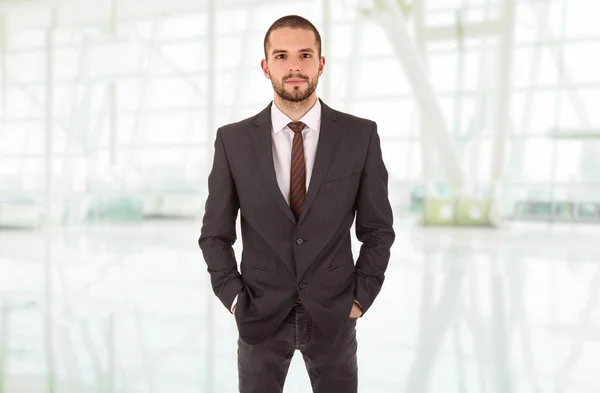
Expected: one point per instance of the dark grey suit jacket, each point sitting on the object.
(284, 258)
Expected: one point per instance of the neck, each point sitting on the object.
(295, 110)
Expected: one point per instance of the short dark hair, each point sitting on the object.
(294, 22)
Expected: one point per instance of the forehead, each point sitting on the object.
(292, 39)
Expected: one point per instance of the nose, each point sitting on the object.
(294, 67)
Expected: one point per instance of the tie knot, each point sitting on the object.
(296, 126)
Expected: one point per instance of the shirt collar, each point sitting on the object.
(312, 118)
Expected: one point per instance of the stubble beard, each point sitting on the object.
(297, 96)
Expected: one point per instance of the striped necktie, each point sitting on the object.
(298, 171)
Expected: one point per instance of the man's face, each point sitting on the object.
(293, 64)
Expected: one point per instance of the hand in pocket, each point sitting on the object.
(356, 312)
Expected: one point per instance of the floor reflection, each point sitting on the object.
(129, 309)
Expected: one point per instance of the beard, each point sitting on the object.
(297, 95)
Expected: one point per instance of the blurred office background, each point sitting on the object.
(488, 114)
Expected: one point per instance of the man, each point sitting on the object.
(298, 172)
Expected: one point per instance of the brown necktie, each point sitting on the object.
(298, 172)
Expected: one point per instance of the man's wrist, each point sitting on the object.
(359, 306)
(233, 304)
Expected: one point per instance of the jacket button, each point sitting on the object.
(299, 241)
(302, 285)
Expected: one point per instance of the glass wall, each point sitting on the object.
(130, 97)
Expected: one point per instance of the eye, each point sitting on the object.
(306, 55)
(280, 56)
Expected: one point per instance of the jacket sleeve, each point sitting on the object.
(374, 221)
(218, 233)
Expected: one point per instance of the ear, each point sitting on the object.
(321, 65)
(265, 68)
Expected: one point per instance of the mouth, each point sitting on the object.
(295, 81)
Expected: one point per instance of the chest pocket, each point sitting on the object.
(341, 181)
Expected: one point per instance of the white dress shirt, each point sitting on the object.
(282, 137)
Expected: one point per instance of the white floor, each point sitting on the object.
(128, 309)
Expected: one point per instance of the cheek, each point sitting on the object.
(273, 72)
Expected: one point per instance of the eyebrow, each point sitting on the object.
(305, 50)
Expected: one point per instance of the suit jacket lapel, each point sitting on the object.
(263, 145)
(329, 136)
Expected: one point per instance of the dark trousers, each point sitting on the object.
(332, 368)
